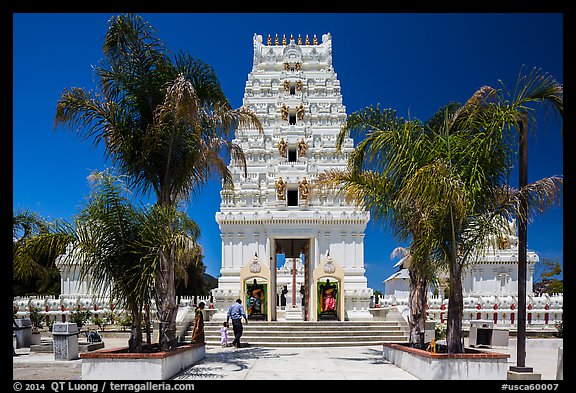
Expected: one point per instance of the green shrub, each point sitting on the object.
(80, 317)
(440, 331)
(125, 320)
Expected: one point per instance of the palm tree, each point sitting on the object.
(118, 245)
(377, 169)
(464, 190)
(25, 225)
(164, 124)
(444, 182)
(28, 230)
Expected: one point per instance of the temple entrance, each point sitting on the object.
(292, 276)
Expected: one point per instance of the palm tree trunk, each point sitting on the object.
(454, 334)
(135, 341)
(166, 302)
(147, 327)
(417, 301)
(455, 309)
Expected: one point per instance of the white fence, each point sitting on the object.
(543, 311)
(59, 309)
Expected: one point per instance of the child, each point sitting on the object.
(224, 334)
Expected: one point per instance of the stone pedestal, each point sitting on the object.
(65, 339)
(294, 314)
(23, 332)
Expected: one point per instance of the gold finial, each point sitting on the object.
(284, 39)
(269, 40)
(291, 38)
(299, 40)
(276, 40)
(307, 40)
(315, 40)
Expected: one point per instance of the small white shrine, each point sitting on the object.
(300, 251)
(493, 272)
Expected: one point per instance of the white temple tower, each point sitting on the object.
(277, 231)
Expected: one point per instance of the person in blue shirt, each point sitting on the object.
(236, 313)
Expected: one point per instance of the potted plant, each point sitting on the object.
(37, 324)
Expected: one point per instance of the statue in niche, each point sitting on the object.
(302, 147)
(299, 85)
(284, 112)
(328, 293)
(503, 243)
(255, 302)
(286, 66)
(303, 186)
(298, 66)
(282, 147)
(300, 112)
(281, 189)
(286, 85)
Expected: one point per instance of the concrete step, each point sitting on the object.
(371, 339)
(279, 344)
(390, 332)
(310, 334)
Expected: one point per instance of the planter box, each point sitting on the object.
(121, 365)
(440, 366)
(36, 339)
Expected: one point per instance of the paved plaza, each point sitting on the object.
(255, 363)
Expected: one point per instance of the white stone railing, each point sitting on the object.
(541, 311)
(58, 309)
(193, 301)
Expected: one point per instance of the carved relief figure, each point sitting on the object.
(282, 146)
(280, 189)
(300, 112)
(284, 112)
(302, 147)
(303, 186)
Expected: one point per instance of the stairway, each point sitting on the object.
(310, 334)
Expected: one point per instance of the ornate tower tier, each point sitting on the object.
(273, 220)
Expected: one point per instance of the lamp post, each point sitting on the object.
(522, 237)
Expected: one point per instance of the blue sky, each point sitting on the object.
(414, 63)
